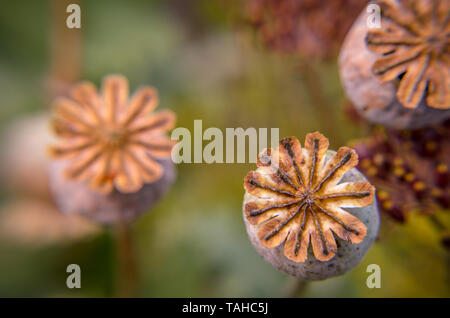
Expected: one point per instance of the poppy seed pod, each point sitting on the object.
(308, 211)
(38, 223)
(410, 169)
(303, 27)
(398, 75)
(113, 156)
(21, 172)
(75, 197)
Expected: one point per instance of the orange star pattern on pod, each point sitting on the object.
(112, 140)
(414, 47)
(299, 199)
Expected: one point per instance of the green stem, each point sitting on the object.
(437, 223)
(440, 226)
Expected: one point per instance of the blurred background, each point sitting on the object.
(207, 62)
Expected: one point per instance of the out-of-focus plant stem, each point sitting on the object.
(294, 288)
(436, 222)
(65, 63)
(442, 229)
(126, 262)
(320, 103)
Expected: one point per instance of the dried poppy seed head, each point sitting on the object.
(414, 43)
(399, 75)
(21, 172)
(76, 198)
(294, 212)
(37, 223)
(305, 28)
(114, 153)
(409, 169)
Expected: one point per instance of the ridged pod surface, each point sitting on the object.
(308, 211)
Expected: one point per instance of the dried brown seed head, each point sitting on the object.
(73, 197)
(413, 177)
(298, 198)
(37, 223)
(303, 27)
(383, 102)
(111, 140)
(413, 44)
(19, 171)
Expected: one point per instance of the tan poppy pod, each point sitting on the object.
(399, 75)
(38, 223)
(113, 161)
(73, 197)
(23, 159)
(312, 215)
